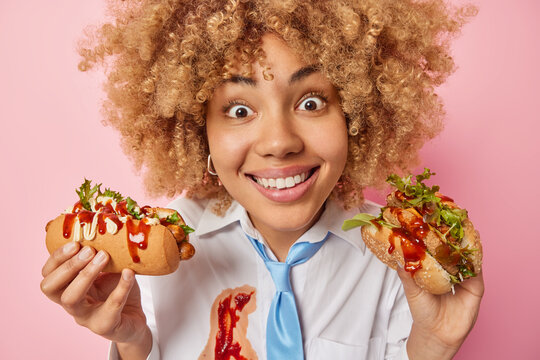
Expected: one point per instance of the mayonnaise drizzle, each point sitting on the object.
(103, 200)
(87, 231)
(112, 228)
(77, 230)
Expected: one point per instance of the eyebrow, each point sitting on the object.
(303, 73)
(237, 79)
(297, 76)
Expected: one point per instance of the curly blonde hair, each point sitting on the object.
(164, 59)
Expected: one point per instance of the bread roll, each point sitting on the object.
(161, 255)
(428, 272)
(430, 275)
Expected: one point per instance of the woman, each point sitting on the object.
(272, 116)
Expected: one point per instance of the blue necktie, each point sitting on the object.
(283, 333)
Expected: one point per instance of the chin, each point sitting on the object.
(292, 219)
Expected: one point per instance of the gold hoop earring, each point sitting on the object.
(210, 166)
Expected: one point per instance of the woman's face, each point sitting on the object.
(279, 146)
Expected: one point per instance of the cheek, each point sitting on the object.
(337, 153)
(331, 143)
(228, 150)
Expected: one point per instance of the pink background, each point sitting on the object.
(487, 159)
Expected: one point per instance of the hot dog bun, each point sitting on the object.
(424, 232)
(148, 240)
(162, 255)
(429, 274)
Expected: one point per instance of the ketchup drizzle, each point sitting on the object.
(411, 236)
(121, 208)
(77, 207)
(227, 318)
(108, 212)
(69, 219)
(85, 216)
(133, 230)
(107, 208)
(145, 210)
(102, 225)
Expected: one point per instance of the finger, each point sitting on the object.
(57, 280)
(474, 285)
(77, 290)
(59, 256)
(118, 297)
(412, 290)
(114, 305)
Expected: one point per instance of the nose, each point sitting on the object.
(278, 136)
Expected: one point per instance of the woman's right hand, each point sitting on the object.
(107, 304)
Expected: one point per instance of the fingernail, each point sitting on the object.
(99, 258)
(85, 253)
(70, 247)
(127, 275)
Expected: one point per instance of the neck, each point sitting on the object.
(280, 240)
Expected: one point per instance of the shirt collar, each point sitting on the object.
(211, 222)
(331, 221)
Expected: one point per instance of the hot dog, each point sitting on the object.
(425, 232)
(150, 241)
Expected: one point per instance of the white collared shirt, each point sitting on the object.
(350, 305)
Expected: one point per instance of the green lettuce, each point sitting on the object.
(174, 219)
(86, 192)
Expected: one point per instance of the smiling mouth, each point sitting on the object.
(285, 182)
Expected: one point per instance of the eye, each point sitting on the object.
(312, 103)
(239, 111)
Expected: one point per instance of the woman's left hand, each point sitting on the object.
(441, 322)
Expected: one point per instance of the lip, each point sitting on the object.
(287, 194)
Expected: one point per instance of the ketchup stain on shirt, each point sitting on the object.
(226, 347)
(228, 325)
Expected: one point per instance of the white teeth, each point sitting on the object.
(289, 182)
(281, 183)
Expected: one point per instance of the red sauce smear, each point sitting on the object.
(102, 225)
(107, 208)
(133, 230)
(392, 246)
(145, 209)
(121, 208)
(412, 235)
(227, 318)
(85, 216)
(108, 212)
(69, 220)
(77, 207)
